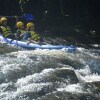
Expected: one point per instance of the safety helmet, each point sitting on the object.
(19, 24)
(29, 25)
(3, 19)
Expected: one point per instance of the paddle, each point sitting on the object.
(28, 17)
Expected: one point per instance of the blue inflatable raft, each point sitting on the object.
(33, 46)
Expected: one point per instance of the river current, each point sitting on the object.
(49, 74)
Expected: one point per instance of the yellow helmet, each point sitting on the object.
(19, 24)
(3, 19)
(29, 25)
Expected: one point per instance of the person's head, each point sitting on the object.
(20, 25)
(3, 21)
(30, 26)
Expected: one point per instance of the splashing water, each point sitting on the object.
(42, 74)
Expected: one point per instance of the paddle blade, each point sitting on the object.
(28, 17)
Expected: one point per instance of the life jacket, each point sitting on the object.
(35, 36)
(22, 31)
(6, 31)
(20, 34)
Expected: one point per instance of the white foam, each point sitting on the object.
(24, 81)
(91, 78)
(30, 88)
(85, 71)
(31, 78)
(9, 67)
(74, 88)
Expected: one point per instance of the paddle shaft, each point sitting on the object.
(11, 16)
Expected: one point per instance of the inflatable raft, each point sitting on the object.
(33, 46)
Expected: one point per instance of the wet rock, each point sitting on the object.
(59, 75)
(1, 77)
(75, 64)
(93, 87)
(97, 84)
(68, 96)
(45, 61)
(67, 74)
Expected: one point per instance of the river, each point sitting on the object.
(49, 74)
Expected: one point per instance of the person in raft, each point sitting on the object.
(31, 35)
(20, 30)
(5, 30)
